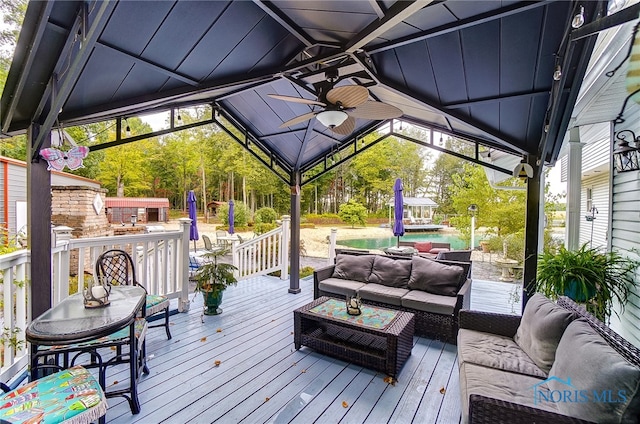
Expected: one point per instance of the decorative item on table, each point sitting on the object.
(96, 295)
(353, 305)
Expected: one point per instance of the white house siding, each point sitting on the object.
(14, 189)
(599, 186)
(625, 238)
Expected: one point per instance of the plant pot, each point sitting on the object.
(574, 291)
(212, 301)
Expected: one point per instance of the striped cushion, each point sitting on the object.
(156, 303)
(71, 395)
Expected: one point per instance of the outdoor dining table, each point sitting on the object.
(69, 322)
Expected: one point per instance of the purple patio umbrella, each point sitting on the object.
(193, 215)
(230, 216)
(398, 210)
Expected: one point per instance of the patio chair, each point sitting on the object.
(117, 266)
(455, 255)
(220, 241)
(208, 246)
(55, 404)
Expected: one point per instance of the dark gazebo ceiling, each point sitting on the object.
(481, 70)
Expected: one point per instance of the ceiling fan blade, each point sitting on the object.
(375, 111)
(348, 95)
(298, 119)
(296, 99)
(346, 127)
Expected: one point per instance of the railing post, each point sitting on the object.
(240, 270)
(183, 275)
(332, 246)
(284, 247)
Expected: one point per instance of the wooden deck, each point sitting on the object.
(262, 378)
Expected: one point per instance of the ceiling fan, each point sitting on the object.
(340, 106)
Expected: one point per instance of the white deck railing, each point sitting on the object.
(162, 266)
(263, 254)
(14, 268)
(162, 261)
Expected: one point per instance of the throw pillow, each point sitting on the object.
(390, 272)
(423, 246)
(353, 267)
(541, 327)
(606, 382)
(434, 277)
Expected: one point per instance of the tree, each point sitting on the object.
(125, 170)
(500, 211)
(353, 213)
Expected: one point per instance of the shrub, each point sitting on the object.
(263, 227)
(353, 213)
(324, 219)
(265, 216)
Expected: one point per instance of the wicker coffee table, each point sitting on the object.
(379, 338)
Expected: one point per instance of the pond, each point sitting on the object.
(382, 242)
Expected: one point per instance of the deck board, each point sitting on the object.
(262, 378)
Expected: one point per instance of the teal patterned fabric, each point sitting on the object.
(72, 396)
(371, 316)
(155, 303)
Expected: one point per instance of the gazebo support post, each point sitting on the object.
(39, 223)
(294, 275)
(531, 229)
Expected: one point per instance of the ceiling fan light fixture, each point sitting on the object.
(332, 118)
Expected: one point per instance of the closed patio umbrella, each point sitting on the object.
(193, 216)
(230, 216)
(398, 210)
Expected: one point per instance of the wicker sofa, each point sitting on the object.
(555, 364)
(434, 290)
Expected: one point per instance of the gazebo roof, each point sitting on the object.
(478, 70)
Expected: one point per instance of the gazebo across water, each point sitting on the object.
(418, 214)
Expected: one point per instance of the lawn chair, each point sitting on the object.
(116, 265)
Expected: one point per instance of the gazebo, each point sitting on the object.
(500, 76)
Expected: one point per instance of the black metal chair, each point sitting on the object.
(118, 268)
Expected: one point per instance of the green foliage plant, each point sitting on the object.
(240, 214)
(594, 277)
(353, 213)
(265, 216)
(214, 276)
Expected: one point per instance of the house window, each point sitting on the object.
(589, 199)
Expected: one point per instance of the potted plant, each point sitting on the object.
(587, 275)
(212, 278)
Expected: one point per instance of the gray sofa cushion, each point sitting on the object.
(541, 328)
(434, 277)
(384, 294)
(353, 267)
(390, 272)
(494, 351)
(592, 365)
(498, 384)
(340, 286)
(429, 302)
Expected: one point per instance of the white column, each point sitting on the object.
(574, 185)
(332, 246)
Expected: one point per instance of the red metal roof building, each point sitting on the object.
(145, 209)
